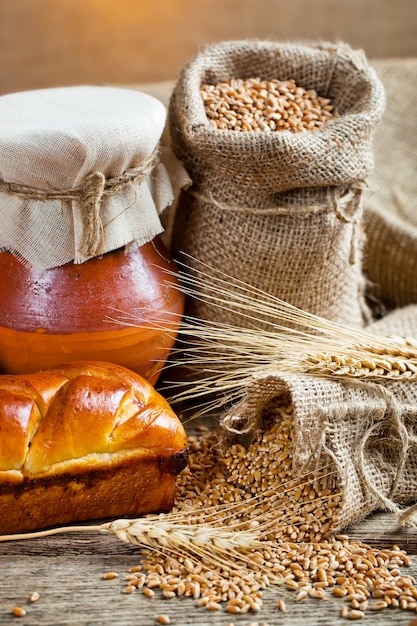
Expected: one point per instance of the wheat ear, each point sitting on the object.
(227, 356)
(217, 546)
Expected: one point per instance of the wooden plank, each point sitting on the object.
(67, 572)
(381, 531)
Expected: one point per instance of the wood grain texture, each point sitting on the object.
(66, 570)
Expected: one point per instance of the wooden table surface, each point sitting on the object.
(66, 570)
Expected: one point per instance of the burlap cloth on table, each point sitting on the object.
(281, 211)
(390, 216)
(365, 430)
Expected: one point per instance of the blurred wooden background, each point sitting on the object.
(46, 43)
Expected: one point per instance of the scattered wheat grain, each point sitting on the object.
(18, 611)
(110, 575)
(34, 596)
(293, 546)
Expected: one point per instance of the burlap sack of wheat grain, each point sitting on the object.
(279, 210)
(390, 215)
(361, 434)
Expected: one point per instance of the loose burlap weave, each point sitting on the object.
(82, 173)
(365, 431)
(390, 215)
(279, 210)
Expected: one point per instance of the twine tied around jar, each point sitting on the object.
(89, 195)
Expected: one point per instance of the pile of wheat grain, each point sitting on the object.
(255, 489)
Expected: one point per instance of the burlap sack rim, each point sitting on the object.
(198, 128)
(349, 134)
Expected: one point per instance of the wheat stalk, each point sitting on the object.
(360, 365)
(226, 545)
(218, 547)
(157, 531)
(160, 532)
(226, 542)
(210, 546)
(227, 356)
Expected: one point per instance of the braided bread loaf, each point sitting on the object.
(87, 440)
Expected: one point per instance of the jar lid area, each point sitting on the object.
(82, 172)
(57, 136)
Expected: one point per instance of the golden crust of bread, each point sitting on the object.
(91, 433)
